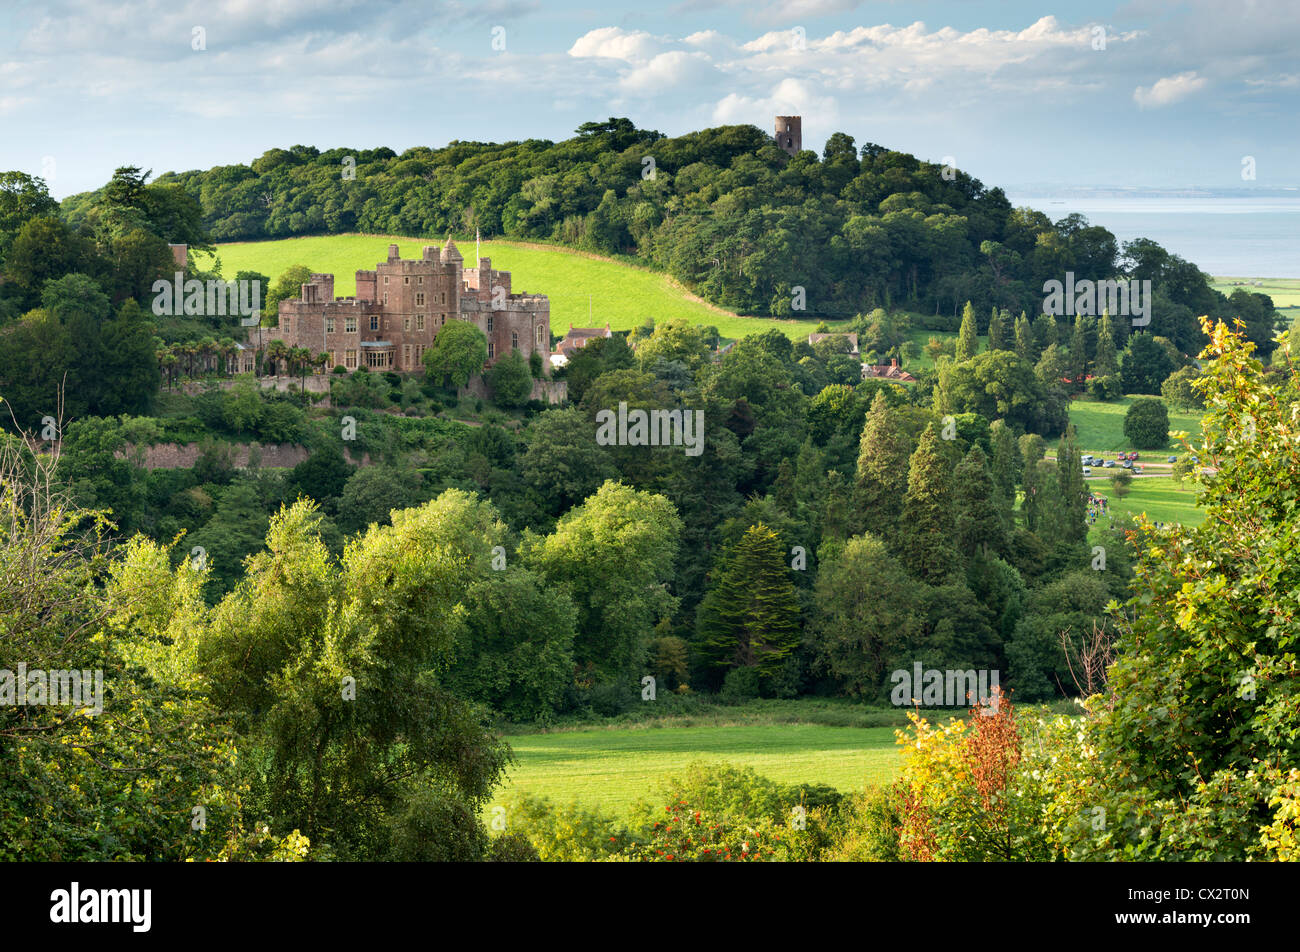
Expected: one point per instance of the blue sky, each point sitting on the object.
(1015, 92)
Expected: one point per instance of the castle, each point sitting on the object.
(401, 305)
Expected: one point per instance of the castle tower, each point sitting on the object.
(789, 133)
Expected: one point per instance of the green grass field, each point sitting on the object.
(585, 290)
(1285, 292)
(1099, 428)
(1159, 497)
(612, 769)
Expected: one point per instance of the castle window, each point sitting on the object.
(444, 320)
(540, 331)
(419, 322)
(406, 323)
(329, 325)
(385, 279)
(419, 299)
(374, 321)
(444, 298)
(419, 280)
(492, 350)
(406, 356)
(286, 324)
(489, 323)
(514, 340)
(406, 280)
(349, 325)
(350, 361)
(385, 297)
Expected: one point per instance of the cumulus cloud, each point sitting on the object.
(665, 71)
(611, 42)
(1169, 90)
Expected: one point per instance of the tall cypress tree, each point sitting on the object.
(1006, 466)
(1026, 346)
(967, 337)
(999, 332)
(1107, 361)
(750, 618)
(1079, 350)
(882, 472)
(928, 544)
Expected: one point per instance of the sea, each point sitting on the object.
(1225, 236)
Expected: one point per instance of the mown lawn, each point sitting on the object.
(1162, 499)
(585, 290)
(612, 769)
(1099, 428)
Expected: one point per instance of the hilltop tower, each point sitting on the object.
(789, 133)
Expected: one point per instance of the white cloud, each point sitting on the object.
(790, 97)
(667, 70)
(1169, 90)
(611, 42)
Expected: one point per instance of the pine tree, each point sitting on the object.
(1107, 361)
(927, 531)
(1026, 347)
(750, 618)
(882, 471)
(838, 515)
(967, 337)
(980, 526)
(998, 331)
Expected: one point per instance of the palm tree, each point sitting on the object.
(167, 361)
(301, 359)
(277, 351)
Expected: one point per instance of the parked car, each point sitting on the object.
(1110, 464)
(1173, 459)
(1087, 459)
(1087, 471)
(1127, 464)
(1137, 468)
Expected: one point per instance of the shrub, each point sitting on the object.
(1146, 424)
(563, 833)
(740, 684)
(511, 848)
(965, 795)
(1107, 388)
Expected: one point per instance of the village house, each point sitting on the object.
(575, 339)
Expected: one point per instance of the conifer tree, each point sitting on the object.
(750, 618)
(967, 337)
(1005, 465)
(1026, 347)
(999, 333)
(882, 471)
(980, 529)
(928, 531)
(1045, 332)
(1079, 351)
(1107, 361)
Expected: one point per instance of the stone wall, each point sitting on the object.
(185, 455)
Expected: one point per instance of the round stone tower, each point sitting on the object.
(789, 133)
